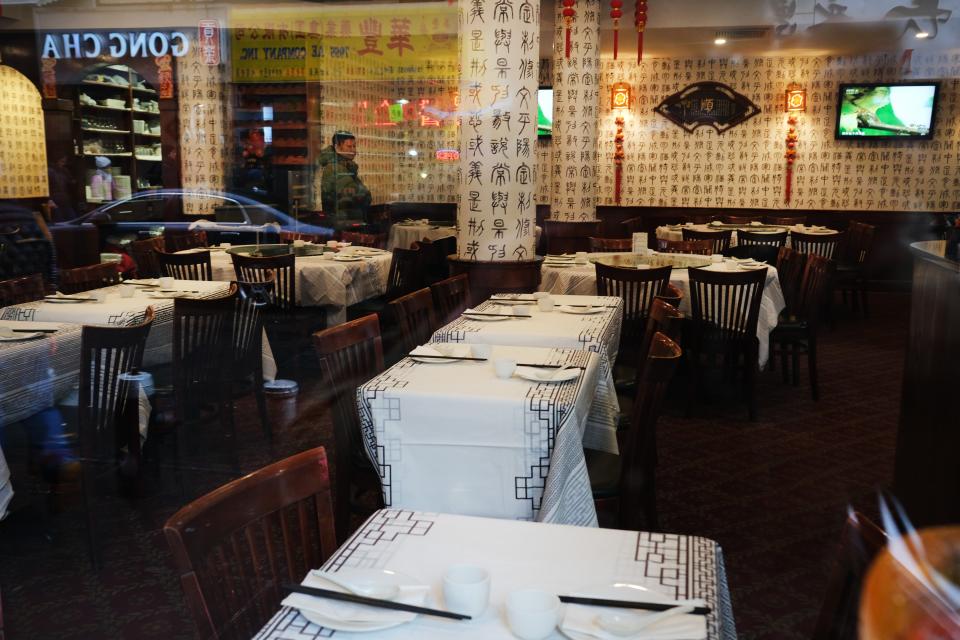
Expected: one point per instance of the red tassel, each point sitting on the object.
(789, 182)
(618, 180)
(568, 42)
(639, 47)
(616, 42)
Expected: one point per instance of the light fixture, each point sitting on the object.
(720, 41)
(795, 99)
(412, 153)
(620, 96)
(403, 101)
(423, 175)
(921, 35)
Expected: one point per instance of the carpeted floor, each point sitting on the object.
(773, 493)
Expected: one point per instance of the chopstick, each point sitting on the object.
(34, 330)
(65, 298)
(417, 355)
(630, 604)
(550, 366)
(494, 315)
(591, 306)
(373, 602)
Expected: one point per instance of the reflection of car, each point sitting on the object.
(234, 218)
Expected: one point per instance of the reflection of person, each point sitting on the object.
(869, 112)
(101, 184)
(62, 186)
(346, 200)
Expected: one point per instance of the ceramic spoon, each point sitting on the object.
(630, 625)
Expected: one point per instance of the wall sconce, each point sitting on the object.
(795, 99)
(620, 96)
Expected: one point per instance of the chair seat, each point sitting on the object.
(604, 471)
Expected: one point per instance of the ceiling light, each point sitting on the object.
(403, 101)
(921, 35)
(720, 41)
(412, 153)
(423, 174)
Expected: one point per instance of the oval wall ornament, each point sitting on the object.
(707, 103)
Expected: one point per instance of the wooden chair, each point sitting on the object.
(663, 318)
(568, 237)
(236, 546)
(739, 219)
(699, 247)
(796, 331)
(816, 243)
(25, 289)
(95, 276)
(753, 238)
(671, 295)
(633, 225)
(105, 354)
(433, 261)
(629, 480)
(725, 308)
(175, 242)
(786, 221)
(280, 269)
(610, 244)
(860, 541)
(405, 272)
(144, 254)
(416, 319)
(853, 267)
(185, 266)
(350, 354)
(375, 240)
(790, 266)
(637, 288)
(719, 240)
(451, 297)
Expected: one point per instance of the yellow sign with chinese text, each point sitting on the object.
(335, 43)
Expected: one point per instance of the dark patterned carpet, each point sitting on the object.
(773, 493)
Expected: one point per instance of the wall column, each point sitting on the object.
(576, 96)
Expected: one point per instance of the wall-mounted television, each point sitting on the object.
(544, 112)
(900, 110)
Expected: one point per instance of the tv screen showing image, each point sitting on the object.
(544, 112)
(894, 110)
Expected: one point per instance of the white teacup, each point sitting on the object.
(504, 367)
(127, 291)
(545, 304)
(332, 244)
(424, 221)
(716, 257)
(538, 295)
(99, 295)
(481, 351)
(581, 257)
(466, 589)
(166, 282)
(532, 613)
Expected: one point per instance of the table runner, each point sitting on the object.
(581, 279)
(453, 437)
(325, 282)
(519, 555)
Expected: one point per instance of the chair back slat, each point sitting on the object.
(143, 253)
(719, 240)
(235, 546)
(451, 297)
(280, 269)
(816, 243)
(87, 278)
(726, 306)
(26, 289)
(185, 266)
(415, 316)
(610, 244)
(637, 288)
(699, 247)
(753, 238)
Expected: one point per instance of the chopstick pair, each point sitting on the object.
(33, 330)
(630, 604)
(67, 298)
(373, 602)
(495, 315)
(442, 357)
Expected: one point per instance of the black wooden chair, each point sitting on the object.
(185, 266)
(719, 240)
(451, 297)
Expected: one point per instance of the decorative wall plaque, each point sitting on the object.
(707, 103)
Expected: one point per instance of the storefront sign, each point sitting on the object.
(116, 44)
(707, 103)
(208, 41)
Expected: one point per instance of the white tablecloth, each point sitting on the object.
(581, 279)
(403, 235)
(675, 232)
(518, 555)
(322, 281)
(456, 438)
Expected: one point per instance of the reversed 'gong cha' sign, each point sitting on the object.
(707, 103)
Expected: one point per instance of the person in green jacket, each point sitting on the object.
(346, 200)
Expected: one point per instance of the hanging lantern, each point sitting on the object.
(568, 14)
(620, 96)
(795, 98)
(616, 11)
(640, 20)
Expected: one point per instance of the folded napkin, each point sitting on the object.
(451, 350)
(495, 310)
(548, 374)
(335, 610)
(150, 282)
(582, 619)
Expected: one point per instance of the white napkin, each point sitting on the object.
(715, 223)
(548, 375)
(414, 594)
(755, 223)
(496, 310)
(583, 619)
(451, 350)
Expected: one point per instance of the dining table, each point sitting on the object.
(333, 279)
(417, 548)
(403, 234)
(580, 278)
(452, 435)
(674, 232)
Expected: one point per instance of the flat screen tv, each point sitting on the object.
(902, 110)
(544, 112)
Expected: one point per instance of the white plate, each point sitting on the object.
(347, 258)
(559, 265)
(486, 317)
(536, 374)
(345, 616)
(751, 267)
(682, 627)
(7, 335)
(581, 310)
(68, 300)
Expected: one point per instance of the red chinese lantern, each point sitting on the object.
(640, 19)
(568, 14)
(616, 12)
